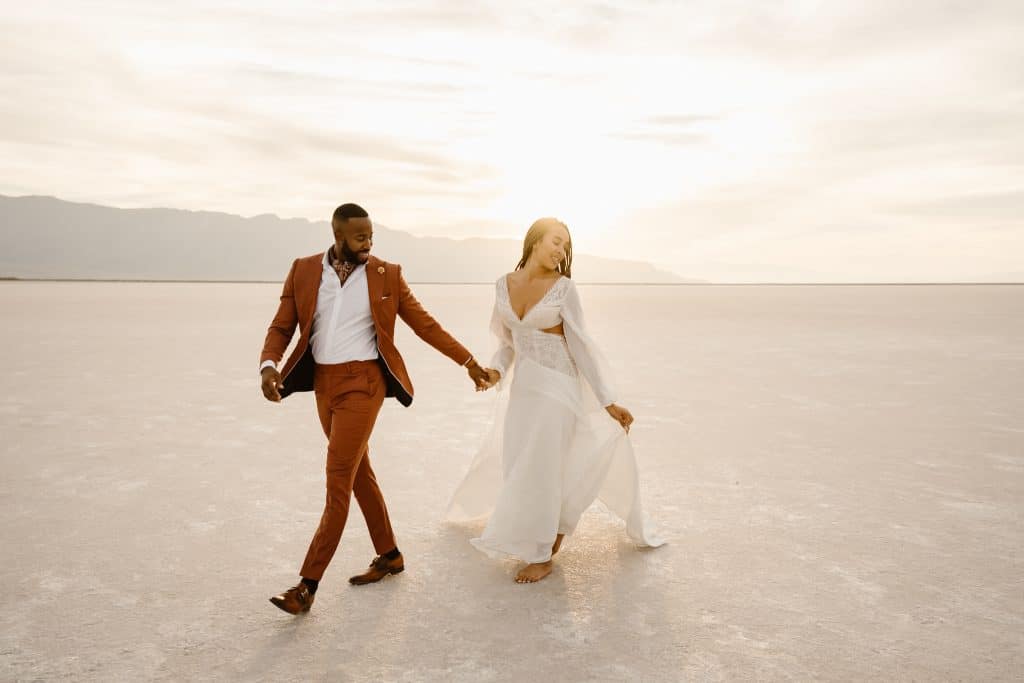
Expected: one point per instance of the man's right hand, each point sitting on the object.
(271, 382)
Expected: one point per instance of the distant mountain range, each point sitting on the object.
(44, 237)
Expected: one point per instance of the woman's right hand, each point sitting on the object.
(620, 415)
(493, 377)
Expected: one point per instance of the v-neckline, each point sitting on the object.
(508, 293)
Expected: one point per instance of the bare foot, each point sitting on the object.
(558, 543)
(532, 573)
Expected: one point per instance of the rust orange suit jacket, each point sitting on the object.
(390, 297)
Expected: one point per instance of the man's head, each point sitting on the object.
(353, 233)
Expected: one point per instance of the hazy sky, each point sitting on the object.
(859, 140)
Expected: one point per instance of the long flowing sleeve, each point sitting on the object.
(588, 357)
(505, 354)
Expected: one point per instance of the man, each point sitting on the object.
(344, 303)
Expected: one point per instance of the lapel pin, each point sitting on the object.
(380, 269)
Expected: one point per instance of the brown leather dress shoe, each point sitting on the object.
(294, 600)
(379, 568)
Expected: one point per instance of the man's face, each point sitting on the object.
(353, 239)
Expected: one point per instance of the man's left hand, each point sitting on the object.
(478, 375)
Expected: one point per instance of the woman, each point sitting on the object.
(551, 450)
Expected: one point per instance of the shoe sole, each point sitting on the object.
(367, 583)
(280, 606)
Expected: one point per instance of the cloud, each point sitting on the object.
(670, 129)
(300, 82)
(666, 138)
(728, 132)
(681, 120)
(1003, 208)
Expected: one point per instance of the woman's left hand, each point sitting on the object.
(620, 415)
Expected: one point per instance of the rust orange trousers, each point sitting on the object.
(348, 399)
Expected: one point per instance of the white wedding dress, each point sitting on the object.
(552, 448)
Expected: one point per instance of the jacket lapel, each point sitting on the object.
(374, 282)
(313, 275)
(375, 285)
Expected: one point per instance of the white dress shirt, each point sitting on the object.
(343, 328)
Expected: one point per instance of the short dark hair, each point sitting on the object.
(346, 211)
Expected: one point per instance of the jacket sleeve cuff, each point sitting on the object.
(268, 364)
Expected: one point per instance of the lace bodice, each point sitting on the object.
(572, 354)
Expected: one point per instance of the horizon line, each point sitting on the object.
(481, 282)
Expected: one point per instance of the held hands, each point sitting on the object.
(620, 415)
(483, 378)
(478, 375)
(270, 380)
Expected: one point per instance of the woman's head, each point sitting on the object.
(548, 244)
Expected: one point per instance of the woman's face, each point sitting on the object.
(550, 250)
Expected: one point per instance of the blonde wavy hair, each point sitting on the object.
(536, 233)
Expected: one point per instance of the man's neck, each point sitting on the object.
(332, 256)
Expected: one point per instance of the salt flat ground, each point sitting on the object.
(839, 472)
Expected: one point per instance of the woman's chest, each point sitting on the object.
(541, 315)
